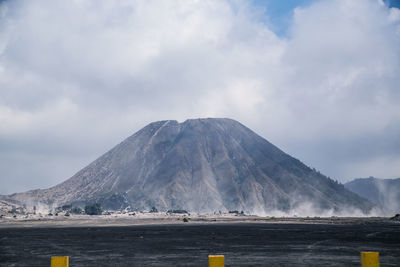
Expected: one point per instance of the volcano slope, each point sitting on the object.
(200, 165)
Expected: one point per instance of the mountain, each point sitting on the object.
(200, 165)
(383, 192)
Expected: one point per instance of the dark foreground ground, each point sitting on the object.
(243, 244)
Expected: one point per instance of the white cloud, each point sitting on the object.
(78, 76)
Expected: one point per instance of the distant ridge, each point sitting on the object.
(383, 192)
(199, 165)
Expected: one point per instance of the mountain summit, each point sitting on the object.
(200, 165)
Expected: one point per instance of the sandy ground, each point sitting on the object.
(161, 240)
(146, 218)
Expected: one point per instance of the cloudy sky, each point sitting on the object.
(319, 78)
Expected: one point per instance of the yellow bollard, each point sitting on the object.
(216, 260)
(60, 261)
(369, 259)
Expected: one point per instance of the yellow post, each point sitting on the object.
(60, 261)
(216, 260)
(369, 259)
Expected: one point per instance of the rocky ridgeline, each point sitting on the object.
(385, 193)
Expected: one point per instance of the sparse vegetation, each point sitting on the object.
(153, 209)
(396, 217)
(66, 207)
(76, 210)
(94, 209)
(185, 219)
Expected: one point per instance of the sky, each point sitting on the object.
(319, 79)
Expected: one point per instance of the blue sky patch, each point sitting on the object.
(279, 14)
